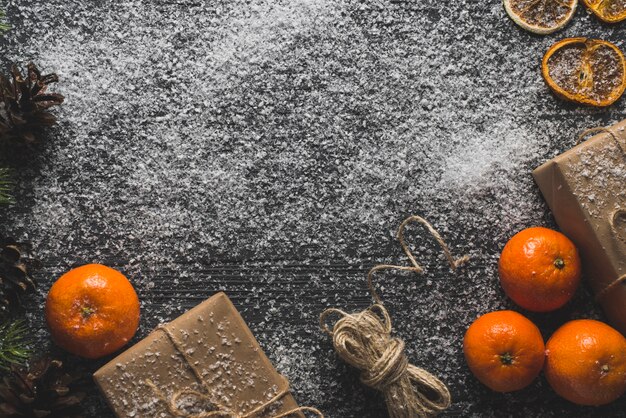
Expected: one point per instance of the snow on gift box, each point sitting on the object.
(204, 363)
(585, 188)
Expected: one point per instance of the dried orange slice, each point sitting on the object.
(610, 11)
(587, 71)
(541, 16)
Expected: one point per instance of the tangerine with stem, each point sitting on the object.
(539, 269)
(92, 311)
(504, 350)
(586, 362)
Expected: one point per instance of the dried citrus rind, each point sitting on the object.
(586, 71)
(541, 16)
(610, 11)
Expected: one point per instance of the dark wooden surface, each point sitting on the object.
(270, 149)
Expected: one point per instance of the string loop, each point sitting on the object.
(217, 410)
(619, 216)
(598, 129)
(454, 263)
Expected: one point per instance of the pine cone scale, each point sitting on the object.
(45, 390)
(27, 399)
(7, 410)
(15, 281)
(49, 99)
(10, 253)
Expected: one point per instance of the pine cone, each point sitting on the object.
(26, 104)
(45, 389)
(14, 280)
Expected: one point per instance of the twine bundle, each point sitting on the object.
(217, 410)
(616, 215)
(364, 341)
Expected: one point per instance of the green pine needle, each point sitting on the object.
(13, 344)
(5, 186)
(3, 26)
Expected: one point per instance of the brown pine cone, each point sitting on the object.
(43, 390)
(26, 104)
(14, 279)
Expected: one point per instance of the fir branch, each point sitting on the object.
(5, 186)
(3, 26)
(13, 344)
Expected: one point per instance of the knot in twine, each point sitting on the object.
(215, 408)
(364, 341)
(616, 216)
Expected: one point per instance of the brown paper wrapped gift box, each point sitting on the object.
(224, 351)
(585, 188)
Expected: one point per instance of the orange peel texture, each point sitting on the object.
(541, 16)
(609, 11)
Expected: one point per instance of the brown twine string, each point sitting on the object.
(364, 341)
(416, 267)
(597, 129)
(615, 215)
(611, 286)
(218, 410)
